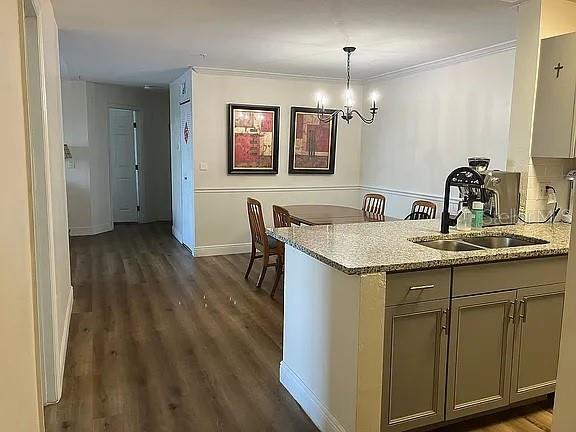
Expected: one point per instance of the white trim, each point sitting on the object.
(91, 230)
(222, 249)
(268, 75)
(276, 189)
(309, 402)
(458, 58)
(421, 67)
(64, 345)
(409, 194)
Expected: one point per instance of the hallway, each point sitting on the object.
(161, 341)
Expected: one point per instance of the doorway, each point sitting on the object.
(187, 188)
(41, 223)
(124, 167)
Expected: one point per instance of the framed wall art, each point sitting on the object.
(312, 142)
(253, 139)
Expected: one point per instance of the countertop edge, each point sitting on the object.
(513, 254)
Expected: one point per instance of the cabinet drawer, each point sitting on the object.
(509, 275)
(412, 287)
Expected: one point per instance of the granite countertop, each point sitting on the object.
(388, 246)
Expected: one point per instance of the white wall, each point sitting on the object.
(76, 136)
(221, 221)
(20, 404)
(430, 122)
(89, 181)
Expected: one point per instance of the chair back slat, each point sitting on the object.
(256, 221)
(281, 217)
(374, 203)
(426, 207)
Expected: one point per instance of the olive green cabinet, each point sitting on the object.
(537, 341)
(414, 378)
(481, 348)
(503, 348)
(554, 117)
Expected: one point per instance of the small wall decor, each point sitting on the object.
(253, 139)
(312, 142)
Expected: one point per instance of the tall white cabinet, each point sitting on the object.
(554, 133)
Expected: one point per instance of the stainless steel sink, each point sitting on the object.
(450, 245)
(502, 242)
(467, 244)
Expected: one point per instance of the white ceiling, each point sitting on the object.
(152, 41)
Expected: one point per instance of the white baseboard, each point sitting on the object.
(90, 230)
(64, 344)
(224, 249)
(311, 405)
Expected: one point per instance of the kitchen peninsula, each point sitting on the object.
(385, 332)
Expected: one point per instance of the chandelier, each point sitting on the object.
(348, 112)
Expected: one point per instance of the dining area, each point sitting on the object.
(271, 251)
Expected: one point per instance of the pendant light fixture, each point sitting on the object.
(348, 112)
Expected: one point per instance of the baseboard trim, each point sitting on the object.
(222, 249)
(90, 230)
(311, 405)
(64, 345)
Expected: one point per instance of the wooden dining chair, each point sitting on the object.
(282, 219)
(425, 207)
(374, 203)
(261, 242)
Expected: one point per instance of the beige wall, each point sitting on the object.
(564, 413)
(220, 202)
(20, 406)
(86, 131)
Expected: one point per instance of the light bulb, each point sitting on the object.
(349, 98)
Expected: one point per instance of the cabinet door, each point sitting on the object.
(554, 113)
(480, 355)
(537, 341)
(415, 354)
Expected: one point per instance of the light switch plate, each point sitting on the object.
(203, 166)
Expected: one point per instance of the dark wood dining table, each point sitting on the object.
(319, 214)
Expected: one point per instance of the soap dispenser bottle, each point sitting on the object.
(464, 222)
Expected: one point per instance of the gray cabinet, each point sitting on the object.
(480, 354)
(415, 358)
(554, 116)
(537, 341)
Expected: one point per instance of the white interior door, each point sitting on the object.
(123, 165)
(187, 175)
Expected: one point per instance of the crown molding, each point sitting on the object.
(434, 64)
(268, 75)
(422, 67)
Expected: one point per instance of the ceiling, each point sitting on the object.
(151, 42)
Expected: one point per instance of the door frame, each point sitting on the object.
(45, 300)
(140, 175)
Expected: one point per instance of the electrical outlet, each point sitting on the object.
(203, 166)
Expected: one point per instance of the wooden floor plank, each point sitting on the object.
(162, 341)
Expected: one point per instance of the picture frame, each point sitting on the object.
(312, 146)
(253, 139)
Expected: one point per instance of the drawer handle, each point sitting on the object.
(421, 287)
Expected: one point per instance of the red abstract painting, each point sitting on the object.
(312, 143)
(253, 140)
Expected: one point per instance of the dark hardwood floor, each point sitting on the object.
(161, 341)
